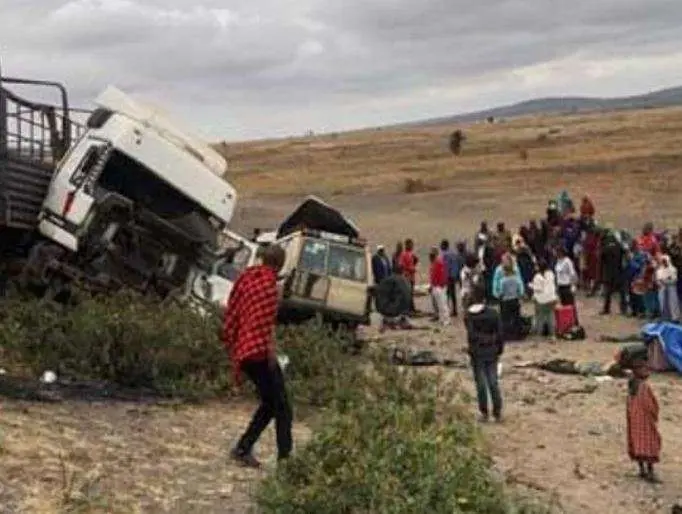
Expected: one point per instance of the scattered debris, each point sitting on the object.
(588, 389)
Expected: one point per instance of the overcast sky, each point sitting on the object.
(240, 69)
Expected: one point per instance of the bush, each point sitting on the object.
(125, 338)
(406, 446)
(322, 369)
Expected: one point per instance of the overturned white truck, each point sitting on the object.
(126, 199)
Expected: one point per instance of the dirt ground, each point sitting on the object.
(70, 457)
(560, 441)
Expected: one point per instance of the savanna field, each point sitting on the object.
(563, 441)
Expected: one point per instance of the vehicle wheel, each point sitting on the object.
(392, 296)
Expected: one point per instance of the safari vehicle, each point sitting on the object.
(327, 272)
(126, 199)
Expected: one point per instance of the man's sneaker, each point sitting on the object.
(499, 418)
(483, 418)
(245, 459)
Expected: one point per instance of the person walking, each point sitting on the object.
(250, 318)
(485, 346)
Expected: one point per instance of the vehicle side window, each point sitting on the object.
(314, 256)
(347, 263)
(234, 263)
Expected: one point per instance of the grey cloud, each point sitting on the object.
(282, 56)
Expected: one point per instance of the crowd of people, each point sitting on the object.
(547, 261)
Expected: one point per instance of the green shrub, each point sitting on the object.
(407, 445)
(322, 370)
(394, 440)
(125, 338)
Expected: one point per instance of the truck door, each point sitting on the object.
(70, 196)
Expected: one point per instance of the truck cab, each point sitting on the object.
(136, 202)
(128, 199)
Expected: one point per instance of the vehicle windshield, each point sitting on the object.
(334, 259)
(236, 260)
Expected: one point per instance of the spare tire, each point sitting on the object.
(392, 297)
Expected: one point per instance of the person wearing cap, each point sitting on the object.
(381, 265)
(644, 440)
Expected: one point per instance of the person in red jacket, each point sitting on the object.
(250, 318)
(408, 265)
(438, 284)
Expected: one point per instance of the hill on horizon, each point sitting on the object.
(563, 105)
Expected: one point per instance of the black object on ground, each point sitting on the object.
(392, 296)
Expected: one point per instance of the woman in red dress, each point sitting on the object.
(644, 440)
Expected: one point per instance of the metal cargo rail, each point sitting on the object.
(34, 136)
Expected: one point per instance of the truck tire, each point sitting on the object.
(392, 297)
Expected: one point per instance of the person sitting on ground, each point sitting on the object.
(644, 439)
(248, 329)
(509, 293)
(545, 298)
(438, 283)
(485, 346)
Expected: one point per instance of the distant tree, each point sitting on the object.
(456, 140)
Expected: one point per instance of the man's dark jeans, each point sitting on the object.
(269, 382)
(452, 294)
(485, 376)
(612, 288)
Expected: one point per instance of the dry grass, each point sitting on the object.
(124, 458)
(624, 143)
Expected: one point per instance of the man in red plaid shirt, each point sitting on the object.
(250, 319)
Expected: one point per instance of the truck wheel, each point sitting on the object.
(392, 296)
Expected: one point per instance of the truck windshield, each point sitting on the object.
(334, 259)
(231, 266)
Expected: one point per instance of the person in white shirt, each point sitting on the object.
(545, 297)
(566, 278)
(470, 277)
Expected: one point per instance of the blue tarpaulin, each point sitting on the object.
(670, 337)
